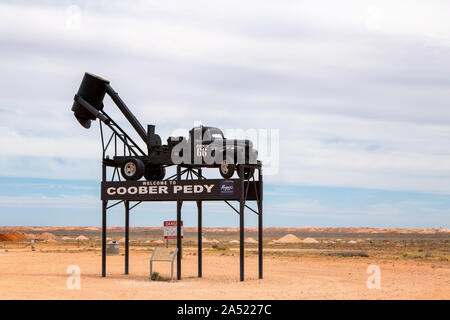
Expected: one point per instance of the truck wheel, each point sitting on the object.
(155, 173)
(226, 170)
(132, 169)
(248, 173)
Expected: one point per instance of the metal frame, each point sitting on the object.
(171, 262)
(184, 172)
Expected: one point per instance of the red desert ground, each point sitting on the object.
(299, 263)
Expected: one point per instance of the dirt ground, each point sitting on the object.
(43, 275)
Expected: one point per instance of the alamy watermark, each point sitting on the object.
(74, 280)
(374, 280)
(374, 18)
(212, 146)
(73, 17)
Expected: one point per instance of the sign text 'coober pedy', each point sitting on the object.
(211, 189)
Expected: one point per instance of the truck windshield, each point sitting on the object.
(217, 136)
(212, 133)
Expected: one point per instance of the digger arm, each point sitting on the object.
(126, 112)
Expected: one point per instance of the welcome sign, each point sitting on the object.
(166, 190)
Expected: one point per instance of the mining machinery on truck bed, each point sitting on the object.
(205, 146)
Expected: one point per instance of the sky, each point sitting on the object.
(356, 92)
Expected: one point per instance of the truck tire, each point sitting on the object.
(226, 170)
(248, 173)
(155, 173)
(132, 169)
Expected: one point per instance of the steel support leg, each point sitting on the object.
(179, 239)
(199, 240)
(104, 204)
(127, 235)
(260, 224)
(241, 224)
(178, 231)
(199, 231)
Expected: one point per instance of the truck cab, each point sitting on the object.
(209, 147)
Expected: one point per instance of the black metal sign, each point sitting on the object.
(172, 190)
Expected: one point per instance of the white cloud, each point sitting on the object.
(356, 106)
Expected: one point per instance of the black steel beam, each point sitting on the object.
(115, 204)
(96, 113)
(251, 209)
(260, 224)
(104, 204)
(241, 225)
(123, 136)
(199, 231)
(127, 235)
(135, 205)
(231, 206)
(126, 112)
(178, 230)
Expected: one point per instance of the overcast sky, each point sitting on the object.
(359, 91)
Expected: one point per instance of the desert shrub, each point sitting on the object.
(412, 255)
(156, 276)
(350, 254)
(219, 247)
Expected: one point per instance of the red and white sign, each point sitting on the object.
(170, 229)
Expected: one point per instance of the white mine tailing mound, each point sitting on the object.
(352, 242)
(81, 238)
(250, 240)
(158, 241)
(46, 236)
(122, 240)
(204, 240)
(310, 240)
(214, 241)
(289, 238)
(234, 241)
(66, 238)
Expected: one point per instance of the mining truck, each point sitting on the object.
(205, 147)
